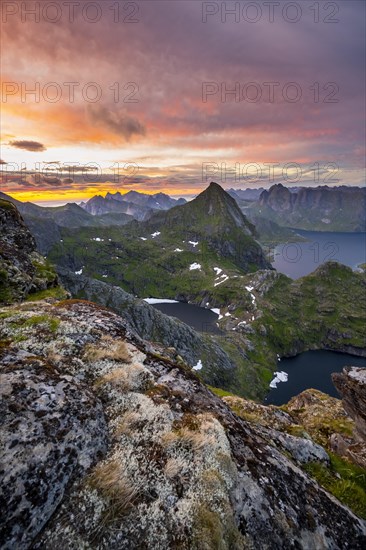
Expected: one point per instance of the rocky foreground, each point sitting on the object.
(107, 443)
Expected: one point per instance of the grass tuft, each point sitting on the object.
(120, 494)
(107, 348)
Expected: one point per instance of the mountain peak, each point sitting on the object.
(214, 188)
(215, 202)
(215, 220)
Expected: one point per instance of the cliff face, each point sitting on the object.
(172, 465)
(22, 270)
(321, 208)
(351, 385)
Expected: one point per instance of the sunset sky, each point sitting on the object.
(162, 130)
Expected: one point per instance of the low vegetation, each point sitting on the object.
(344, 480)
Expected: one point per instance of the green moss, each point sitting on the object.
(57, 293)
(6, 205)
(344, 480)
(212, 531)
(6, 314)
(297, 431)
(52, 323)
(221, 393)
(208, 529)
(6, 295)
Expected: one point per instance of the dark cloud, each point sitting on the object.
(119, 123)
(3, 161)
(92, 167)
(28, 145)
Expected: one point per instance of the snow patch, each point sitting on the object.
(217, 311)
(198, 366)
(143, 238)
(280, 376)
(222, 280)
(193, 243)
(80, 272)
(97, 239)
(156, 234)
(160, 301)
(194, 266)
(218, 270)
(178, 250)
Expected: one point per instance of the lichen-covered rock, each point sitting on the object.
(181, 471)
(321, 415)
(22, 269)
(279, 429)
(52, 429)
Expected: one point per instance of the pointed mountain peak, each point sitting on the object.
(217, 201)
(214, 188)
(213, 209)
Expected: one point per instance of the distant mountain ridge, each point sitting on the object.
(139, 205)
(45, 222)
(158, 201)
(320, 208)
(98, 206)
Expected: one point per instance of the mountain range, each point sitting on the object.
(315, 209)
(139, 205)
(46, 222)
(276, 213)
(205, 252)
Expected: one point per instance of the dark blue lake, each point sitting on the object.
(311, 369)
(199, 318)
(299, 259)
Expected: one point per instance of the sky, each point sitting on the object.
(170, 95)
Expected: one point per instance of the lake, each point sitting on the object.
(299, 259)
(311, 369)
(199, 318)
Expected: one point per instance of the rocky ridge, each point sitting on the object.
(151, 324)
(22, 269)
(351, 384)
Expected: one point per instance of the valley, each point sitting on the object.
(206, 252)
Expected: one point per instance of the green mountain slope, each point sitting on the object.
(45, 222)
(175, 254)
